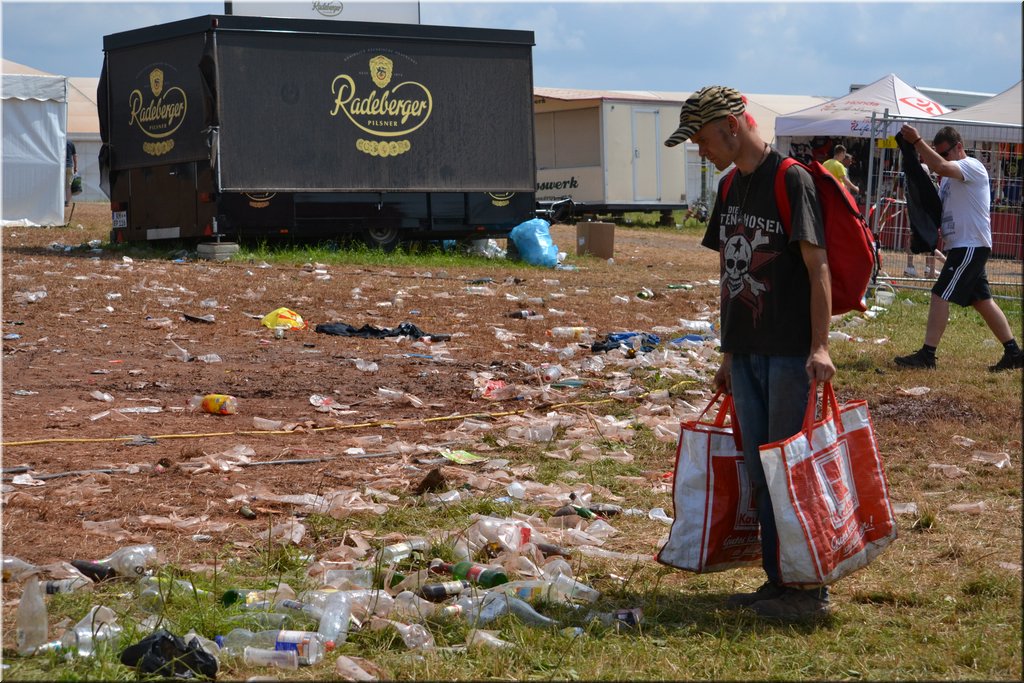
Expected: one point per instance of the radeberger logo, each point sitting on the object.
(328, 9)
(501, 198)
(159, 113)
(379, 108)
(259, 200)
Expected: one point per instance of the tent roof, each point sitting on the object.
(81, 97)
(1002, 108)
(764, 108)
(850, 114)
(33, 87)
(10, 67)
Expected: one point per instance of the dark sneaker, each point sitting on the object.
(767, 591)
(918, 359)
(793, 605)
(1009, 361)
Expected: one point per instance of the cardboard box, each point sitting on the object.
(595, 239)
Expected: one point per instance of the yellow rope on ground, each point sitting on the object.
(377, 423)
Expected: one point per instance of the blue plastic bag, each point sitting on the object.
(534, 243)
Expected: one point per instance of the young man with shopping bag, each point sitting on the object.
(775, 311)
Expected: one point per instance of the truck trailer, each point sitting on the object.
(258, 127)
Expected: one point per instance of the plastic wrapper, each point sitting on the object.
(284, 317)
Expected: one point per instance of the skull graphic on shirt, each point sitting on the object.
(739, 254)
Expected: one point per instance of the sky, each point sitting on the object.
(801, 48)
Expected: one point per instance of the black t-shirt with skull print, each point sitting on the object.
(766, 296)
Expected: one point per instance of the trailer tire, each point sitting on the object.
(384, 238)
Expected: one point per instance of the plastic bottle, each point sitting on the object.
(336, 615)
(66, 585)
(551, 373)
(411, 606)
(31, 620)
(215, 404)
(299, 607)
(17, 570)
(521, 314)
(95, 627)
(438, 592)
(357, 578)
(510, 533)
(282, 659)
(479, 574)
(574, 590)
(402, 551)
(568, 332)
(702, 326)
(131, 560)
(530, 590)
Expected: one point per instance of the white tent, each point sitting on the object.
(1002, 108)
(34, 137)
(83, 128)
(850, 115)
(997, 119)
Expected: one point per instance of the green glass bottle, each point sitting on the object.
(479, 574)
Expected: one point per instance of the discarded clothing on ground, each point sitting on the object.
(371, 332)
(165, 654)
(614, 340)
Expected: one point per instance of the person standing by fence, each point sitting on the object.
(70, 169)
(967, 235)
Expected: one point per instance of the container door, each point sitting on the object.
(646, 156)
(163, 201)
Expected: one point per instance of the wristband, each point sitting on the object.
(916, 141)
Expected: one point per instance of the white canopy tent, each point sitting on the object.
(997, 119)
(1005, 107)
(850, 115)
(34, 144)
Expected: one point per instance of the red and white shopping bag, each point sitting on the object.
(829, 493)
(715, 525)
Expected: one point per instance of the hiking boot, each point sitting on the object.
(793, 605)
(1009, 361)
(918, 359)
(767, 591)
(910, 271)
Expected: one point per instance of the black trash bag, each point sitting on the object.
(165, 654)
(370, 332)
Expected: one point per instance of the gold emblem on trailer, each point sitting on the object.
(388, 111)
(259, 200)
(158, 116)
(156, 81)
(501, 198)
(380, 70)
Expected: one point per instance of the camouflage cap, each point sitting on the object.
(704, 106)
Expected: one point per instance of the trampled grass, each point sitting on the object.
(941, 603)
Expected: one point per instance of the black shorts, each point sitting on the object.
(963, 279)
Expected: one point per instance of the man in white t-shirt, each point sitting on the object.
(967, 235)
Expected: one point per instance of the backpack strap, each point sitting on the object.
(781, 195)
(726, 184)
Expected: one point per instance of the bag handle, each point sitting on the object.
(727, 409)
(829, 406)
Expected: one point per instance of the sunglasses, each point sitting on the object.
(945, 154)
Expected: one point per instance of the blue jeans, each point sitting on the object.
(770, 394)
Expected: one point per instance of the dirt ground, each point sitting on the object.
(99, 329)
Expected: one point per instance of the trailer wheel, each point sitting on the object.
(385, 238)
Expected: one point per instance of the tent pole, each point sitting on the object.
(869, 197)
